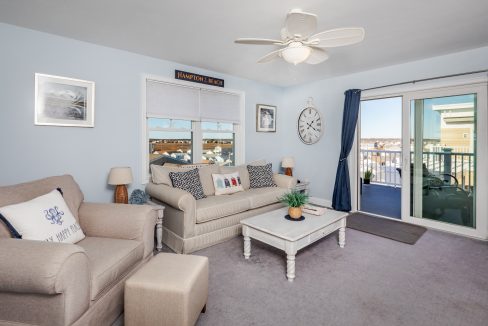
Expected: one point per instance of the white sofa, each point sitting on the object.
(190, 224)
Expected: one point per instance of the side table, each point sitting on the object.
(303, 186)
(159, 224)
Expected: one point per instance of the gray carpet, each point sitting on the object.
(442, 280)
(383, 227)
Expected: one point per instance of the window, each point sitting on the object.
(169, 141)
(186, 124)
(218, 143)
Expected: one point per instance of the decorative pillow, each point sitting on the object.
(227, 183)
(261, 176)
(45, 218)
(188, 181)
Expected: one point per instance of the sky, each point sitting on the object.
(382, 118)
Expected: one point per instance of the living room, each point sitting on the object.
(117, 47)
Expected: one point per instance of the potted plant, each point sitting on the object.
(368, 175)
(295, 200)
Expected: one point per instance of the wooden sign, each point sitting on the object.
(189, 76)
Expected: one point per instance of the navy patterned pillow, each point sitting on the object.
(261, 176)
(188, 181)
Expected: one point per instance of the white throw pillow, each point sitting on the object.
(45, 218)
(225, 184)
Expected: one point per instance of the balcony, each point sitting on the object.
(383, 196)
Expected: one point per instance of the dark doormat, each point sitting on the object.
(386, 228)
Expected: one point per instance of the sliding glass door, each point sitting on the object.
(440, 176)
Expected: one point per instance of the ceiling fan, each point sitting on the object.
(299, 42)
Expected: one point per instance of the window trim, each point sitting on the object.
(239, 129)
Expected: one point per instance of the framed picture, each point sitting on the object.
(62, 101)
(265, 118)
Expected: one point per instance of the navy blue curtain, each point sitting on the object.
(341, 200)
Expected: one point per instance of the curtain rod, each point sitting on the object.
(425, 79)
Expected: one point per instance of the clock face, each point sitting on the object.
(310, 126)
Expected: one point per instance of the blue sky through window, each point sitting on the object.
(382, 118)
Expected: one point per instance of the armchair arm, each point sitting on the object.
(175, 197)
(284, 181)
(40, 267)
(120, 221)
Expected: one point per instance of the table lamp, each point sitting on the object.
(288, 163)
(120, 177)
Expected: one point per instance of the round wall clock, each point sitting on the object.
(310, 126)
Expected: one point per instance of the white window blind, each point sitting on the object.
(164, 100)
(219, 106)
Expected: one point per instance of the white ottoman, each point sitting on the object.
(170, 289)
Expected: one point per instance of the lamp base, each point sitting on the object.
(288, 171)
(120, 195)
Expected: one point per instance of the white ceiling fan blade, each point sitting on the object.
(300, 23)
(337, 37)
(270, 56)
(257, 41)
(317, 56)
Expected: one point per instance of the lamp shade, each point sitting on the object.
(288, 162)
(120, 176)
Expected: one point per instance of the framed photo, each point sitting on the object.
(62, 101)
(265, 118)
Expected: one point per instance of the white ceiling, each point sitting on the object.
(201, 32)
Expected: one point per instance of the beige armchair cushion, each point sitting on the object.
(214, 207)
(110, 259)
(26, 191)
(120, 221)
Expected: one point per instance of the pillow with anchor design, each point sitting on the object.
(45, 218)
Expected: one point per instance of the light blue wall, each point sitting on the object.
(30, 152)
(318, 162)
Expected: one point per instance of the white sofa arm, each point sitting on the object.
(284, 181)
(174, 197)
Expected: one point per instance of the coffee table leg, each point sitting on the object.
(342, 237)
(247, 242)
(291, 251)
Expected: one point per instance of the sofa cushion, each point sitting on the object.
(160, 174)
(44, 218)
(110, 260)
(214, 207)
(261, 176)
(259, 197)
(188, 181)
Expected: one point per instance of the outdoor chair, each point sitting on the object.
(441, 192)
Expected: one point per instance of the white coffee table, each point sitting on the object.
(290, 236)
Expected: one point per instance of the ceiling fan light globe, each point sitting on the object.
(296, 53)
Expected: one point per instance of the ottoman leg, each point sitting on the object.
(204, 309)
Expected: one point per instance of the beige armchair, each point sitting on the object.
(45, 283)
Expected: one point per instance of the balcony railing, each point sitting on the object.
(384, 164)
